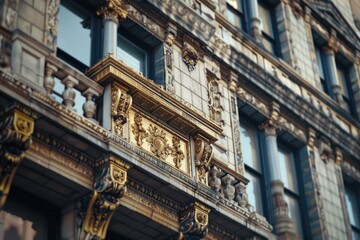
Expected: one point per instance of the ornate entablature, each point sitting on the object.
(186, 17)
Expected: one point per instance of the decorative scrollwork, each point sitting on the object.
(112, 9)
(109, 187)
(120, 105)
(204, 153)
(194, 221)
(158, 142)
(16, 129)
(138, 130)
(176, 152)
(190, 56)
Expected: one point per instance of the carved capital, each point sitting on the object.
(338, 156)
(333, 41)
(194, 221)
(190, 55)
(120, 105)
(311, 138)
(109, 187)
(171, 31)
(203, 154)
(16, 129)
(325, 149)
(272, 123)
(112, 10)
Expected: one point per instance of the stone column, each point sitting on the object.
(97, 209)
(254, 20)
(194, 220)
(16, 129)
(112, 12)
(283, 225)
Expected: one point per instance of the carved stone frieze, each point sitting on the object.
(176, 152)
(253, 101)
(109, 187)
(194, 221)
(138, 130)
(221, 233)
(16, 128)
(149, 23)
(204, 154)
(158, 142)
(112, 10)
(120, 105)
(51, 29)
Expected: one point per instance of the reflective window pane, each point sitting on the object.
(287, 170)
(73, 38)
(253, 190)
(294, 211)
(269, 45)
(342, 80)
(352, 204)
(236, 4)
(131, 55)
(319, 63)
(266, 21)
(249, 146)
(233, 17)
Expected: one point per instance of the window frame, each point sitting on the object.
(355, 189)
(240, 14)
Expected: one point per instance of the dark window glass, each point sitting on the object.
(353, 208)
(269, 40)
(73, 38)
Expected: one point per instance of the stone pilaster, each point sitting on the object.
(98, 208)
(112, 12)
(170, 37)
(16, 128)
(194, 220)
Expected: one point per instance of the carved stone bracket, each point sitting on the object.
(112, 10)
(194, 222)
(120, 105)
(190, 55)
(109, 187)
(16, 129)
(203, 154)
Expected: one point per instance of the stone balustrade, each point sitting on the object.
(71, 88)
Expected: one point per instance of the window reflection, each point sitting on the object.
(249, 146)
(287, 170)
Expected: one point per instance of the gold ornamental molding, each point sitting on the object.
(164, 144)
(194, 220)
(109, 187)
(120, 105)
(16, 128)
(203, 155)
(152, 99)
(112, 10)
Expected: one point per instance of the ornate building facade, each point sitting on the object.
(179, 119)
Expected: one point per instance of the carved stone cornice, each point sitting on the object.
(120, 105)
(109, 187)
(112, 10)
(16, 128)
(203, 156)
(181, 13)
(194, 221)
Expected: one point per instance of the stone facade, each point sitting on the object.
(112, 150)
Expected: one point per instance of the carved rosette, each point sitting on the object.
(16, 129)
(177, 153)
(158, 142)
(203, 154)
(194, 221)
(120, 105)
(112, 10)
(109, 187)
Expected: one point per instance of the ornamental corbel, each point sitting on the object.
(190, 55)
(16, 129)
(120, 104)
(98, 209)
(203, 155)
(325, 149)
(112, 10)
(194, 220)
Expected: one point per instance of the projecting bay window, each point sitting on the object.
(253, 166)
(353, 209)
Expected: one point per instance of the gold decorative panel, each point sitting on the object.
(159, 141)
